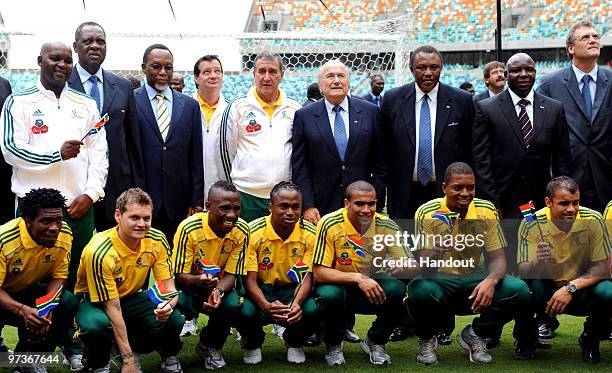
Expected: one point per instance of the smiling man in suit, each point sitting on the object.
(588, 112)
(171, 133)
(336, 141)
(113, 95)
(518, 137)
(427, 126)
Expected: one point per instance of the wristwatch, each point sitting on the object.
(571, 288)
(221, 292)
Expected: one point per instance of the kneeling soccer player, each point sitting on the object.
(343, 274)
(34, 248)
(563, 257)
(209, 255)
(113, 310)
(465, 287)
(279, 243)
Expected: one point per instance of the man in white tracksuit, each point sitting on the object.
(44, 138)
(256, 137)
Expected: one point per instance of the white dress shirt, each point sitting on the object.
(528, 107)
(592, 84)
(84, 75)
(331, 114)
(432, 100)
(152, 92)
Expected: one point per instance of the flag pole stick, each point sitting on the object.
(168, 301)
(297, 290)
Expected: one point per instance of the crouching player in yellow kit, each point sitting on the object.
(209, 255)
(564, 257)
(279, 243)
(343, 270)
(113, 270)
(34, 248)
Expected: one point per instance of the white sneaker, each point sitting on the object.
(295, 355)
(212, 358)
(105, 369)
(75, 362)
(190, 328)
(252, 357)
(334, 354)
(35, 368)
(171, 364)
(278, 331)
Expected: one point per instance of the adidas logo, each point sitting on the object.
(346, 244)
(18, 262)
(266, 251)
(38, 113)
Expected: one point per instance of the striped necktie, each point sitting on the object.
(163, 117)
(526, 126)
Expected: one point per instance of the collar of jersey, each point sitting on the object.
(26, 239)
(577, 226)
(351, 231)
(121, 247)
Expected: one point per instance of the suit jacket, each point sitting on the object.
(589, 141)
(7, 211)
(315, 161)
(125, 163)
(481, 96)
(454, 117)
(173, 168)
(507, 172)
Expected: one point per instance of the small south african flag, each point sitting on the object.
(357, 245)
(528, 211)
(98, 126)
(447, 217)
(298, 271)
(208, 267)
(46, 303)
(158, 293)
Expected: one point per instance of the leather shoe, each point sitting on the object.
(589, 349)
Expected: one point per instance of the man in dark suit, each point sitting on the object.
(7, 210)
(113, 95)
(518, 137)
(494, 80)
(417, 154)
(171, 133)
(377, 85)
(336, 141)
(588, 113)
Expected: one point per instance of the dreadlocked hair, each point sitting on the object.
(283, 185)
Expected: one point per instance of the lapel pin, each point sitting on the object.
(541, 107)
(354, 121)
(448, 106)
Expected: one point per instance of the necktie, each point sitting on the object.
(95, 92)
(586, 96)
(340, 133)
(526, 126)
(376, 101)
(425, 166)
(163, 117)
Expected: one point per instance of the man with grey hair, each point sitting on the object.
(587, 112)
(255, 139)
(336, 141)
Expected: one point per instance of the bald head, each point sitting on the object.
(53, 45)
(521, 74)
(55, 63)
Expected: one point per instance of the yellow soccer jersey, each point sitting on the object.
(335, 240)
(586, 242)
(478, 232)
(271, 257)
(608, 218)
(195, 240)
(109, 269)
(23, 262)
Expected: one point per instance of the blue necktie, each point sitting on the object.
(375, 101)
(586, 96)
(340, 133)
(95, 92)
(425, 167)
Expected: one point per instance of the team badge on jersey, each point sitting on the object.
(39, 127)
(253, 126)
(266, 264)
(344, 259)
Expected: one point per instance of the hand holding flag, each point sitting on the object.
(158, 293)
(48, 302)
(98, 126)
